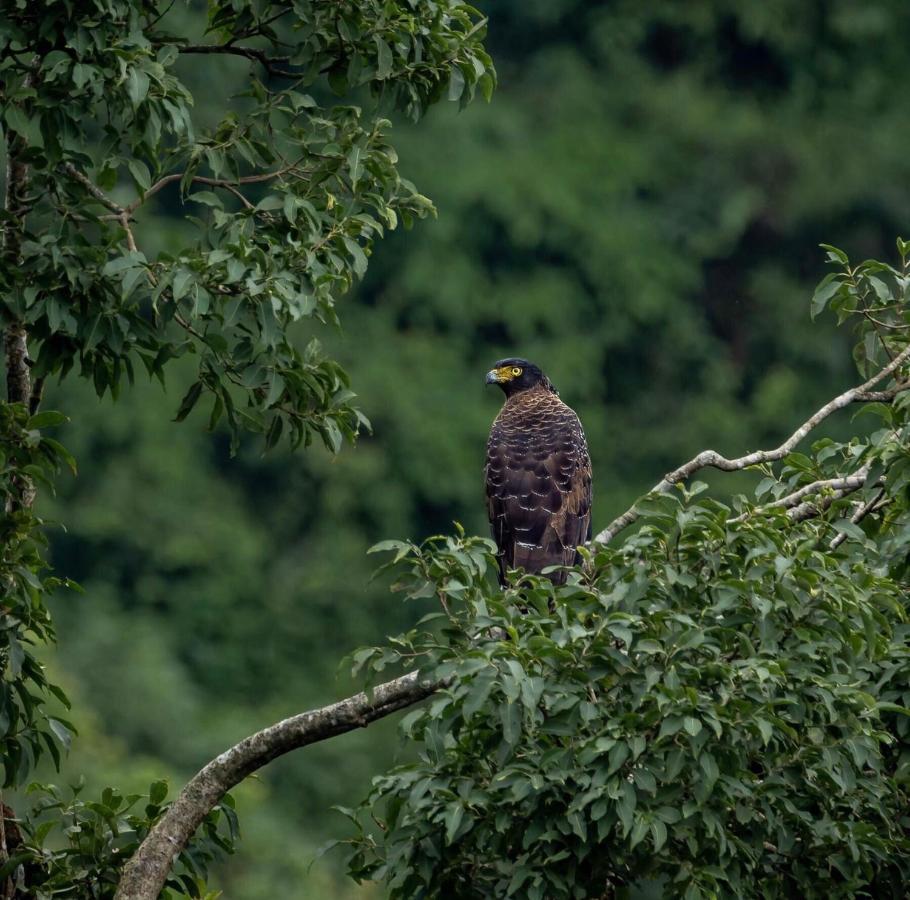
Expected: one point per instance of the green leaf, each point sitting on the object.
(639, 830)
(157, 792)
(189, 401)
(355, 165)
(456, 83)
(358, 256)
(453, 816)
(61, 732)
(383, 59)
(139, 171)
(137, 86)
(692, 725)
(46, 419)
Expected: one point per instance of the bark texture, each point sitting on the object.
(145, 873)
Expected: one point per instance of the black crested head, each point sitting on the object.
(515, 374)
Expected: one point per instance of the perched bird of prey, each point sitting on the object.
(538, 474)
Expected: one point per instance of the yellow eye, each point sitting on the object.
(516, 372)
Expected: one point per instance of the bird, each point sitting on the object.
(537, 473)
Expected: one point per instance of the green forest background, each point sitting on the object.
(638, 211)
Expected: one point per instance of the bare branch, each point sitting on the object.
(93, 189)
(844, 485)
(882, 396)
(121, 213)
(812, 508)
(712, 459)
(211, 182)
(269, 63)
(145, 873)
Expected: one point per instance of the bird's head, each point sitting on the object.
(514, 375)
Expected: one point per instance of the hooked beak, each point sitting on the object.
(492, 377)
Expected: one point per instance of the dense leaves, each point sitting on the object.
(287, 192)
(28, 458)
(717, 706)
(73, 847)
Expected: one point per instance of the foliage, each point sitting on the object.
(27, 731)
(718, 706)
(638, 211)
(72, 847)
(324, 175)
(288, 188)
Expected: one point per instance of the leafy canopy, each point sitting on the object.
(286, 196)
(715, 706)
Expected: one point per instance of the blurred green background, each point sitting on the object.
(638, 211)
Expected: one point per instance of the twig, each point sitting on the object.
(93, 188)
(711, 458)
(121, 213)
(211, 182)
(856, 518)
(269, 63)
(144, 875)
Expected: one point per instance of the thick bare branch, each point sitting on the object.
(145, 873)
(712, 459)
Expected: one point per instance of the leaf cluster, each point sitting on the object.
(73, 847)
(27, 730)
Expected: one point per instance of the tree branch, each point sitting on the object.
(211, 182)
(18, 374)
(846, 484)
(145, 873)
(712, 459)
(121, 213)
(18, 378)
(862, 511)
(269, 63)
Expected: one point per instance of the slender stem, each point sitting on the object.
(212, 182)
(270, 63)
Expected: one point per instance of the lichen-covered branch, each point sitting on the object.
(862, 393)
(145, 873)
